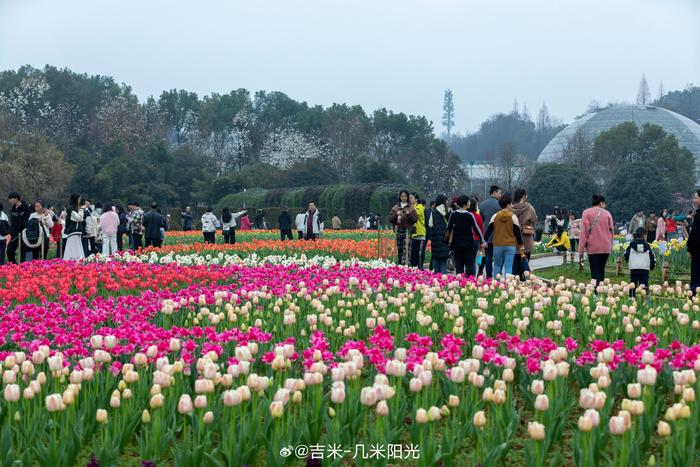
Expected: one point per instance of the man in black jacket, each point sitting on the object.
(693, 245)
(19, 215)
(285, 223)
(153, 221)
(187, 219)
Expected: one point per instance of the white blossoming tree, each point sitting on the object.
(285, 147)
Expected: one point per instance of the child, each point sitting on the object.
(560, 241)
(640, 258)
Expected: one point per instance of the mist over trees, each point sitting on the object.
(94, 136)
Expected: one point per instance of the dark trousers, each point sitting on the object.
(402, 248)
(154, 242)
(416, 248)
(36, 253)
(300, 235)
(92, 246)
(136, 241)
(209, 237)
(120, 241)
(694, 273)
(465, 259)
(638, 277)
(574, 244)
(59, 248)
(286, 234)
(3, 244)
(311, 237)
(422, 254)
(12, 247)
(651, 236)
(229, 236)
(597, 263)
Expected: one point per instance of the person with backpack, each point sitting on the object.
(19, 215)
(74, 230)
(641, 259)
(36, 235)
(4, 232)
(596, 237)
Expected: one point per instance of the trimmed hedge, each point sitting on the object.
(348, 202)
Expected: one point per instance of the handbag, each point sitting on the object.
(528, 230)
(448, 236)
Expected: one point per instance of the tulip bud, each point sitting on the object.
(542, 403)
(101, 416)
(535, 430)
(208, 418)
(145, 417)
(479, 419)
(421, 417)
(664, 429)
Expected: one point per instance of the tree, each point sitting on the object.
(181, 109)
(284, 148)
(367, 170)
(661, 93)
(309, 172)
(448, 111)
(544, 120)
(560, 185)
(636, 186)
(508, 167)
(578, 151)
(643, 95)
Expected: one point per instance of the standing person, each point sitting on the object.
(227, 223)
(336, 223)
(109, 226)
(574, 230)
(462, 226)
(650, 227)
(57, 235)
(671, 226)
(597, 230)
(693, 246)
(91, 228)
(36, 235)
(285, 223)
(488, 209)
(474, 209)
(245, 221)
(437, 225)
(135, 222)
(260, 220)
(313, 223)
(19, 215)
(4, 232)
(75, 227)
(638, 221)
(504, 230)
(153, 222)
(418, 236)
(426, 217)
(186, 219)
(209, 222)
(641, 259)
(661, 227)
(361, 223)
(122, 229)
(299, 222)
(402, 218)
(527, 218)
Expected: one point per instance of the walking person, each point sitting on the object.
(437, 225)
(693, 246)
(462, 227)
(597, 230)
(402, 218)
(650, 227)
(418, 236)
(299, 223)
(4, 232)
(36, 235)
(661, 227)
(153, 222)
(109, 226)
(488, 209)
(135, 225)
(74, 230)
(504, 230)
(313, 223)
(209, 225)
(186, 215)
(285, 223)
(640, 259)
(527, 218)
(19, 215)
(336, 223)
(574, 231)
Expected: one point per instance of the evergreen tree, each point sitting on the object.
(448, 111)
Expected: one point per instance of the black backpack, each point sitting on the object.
(4, 228)
(33, 230)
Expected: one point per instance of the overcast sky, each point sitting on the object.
(399, 54)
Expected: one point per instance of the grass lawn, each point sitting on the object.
(571, 271)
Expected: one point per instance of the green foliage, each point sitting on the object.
(309, 172)
(249, 199)
(366, 170)
(635, 186)
(685, 102)
(560, 185)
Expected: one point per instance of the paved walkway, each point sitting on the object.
(547, 261)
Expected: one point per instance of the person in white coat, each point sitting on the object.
(209, 225)
(313, 223)
(4, 230)
(299, 223)
(74, 230)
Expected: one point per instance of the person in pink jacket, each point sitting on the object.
(596, 237)
(108, 225)
(661, 227)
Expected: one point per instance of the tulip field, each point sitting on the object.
(266, 355)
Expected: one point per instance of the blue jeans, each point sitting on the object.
(503, 256)
(440, 265)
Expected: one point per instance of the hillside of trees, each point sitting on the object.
(61, 131)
